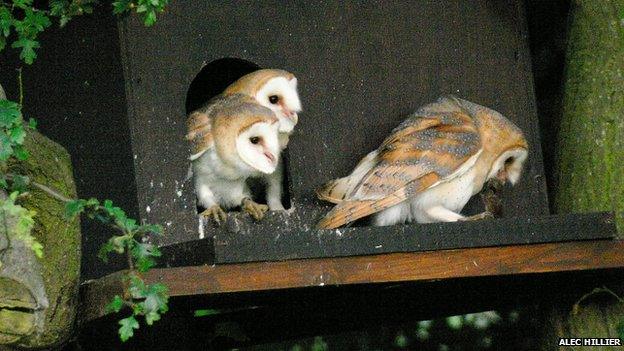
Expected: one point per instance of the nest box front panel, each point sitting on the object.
(362, 68)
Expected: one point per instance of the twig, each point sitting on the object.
(43, 188)
(21, 86)
(50, 192)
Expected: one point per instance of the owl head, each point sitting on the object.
(507, 168)
(275, 89)
(246, 136)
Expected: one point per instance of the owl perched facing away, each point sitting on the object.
(233, 138)
(275, 89)
(430, 166)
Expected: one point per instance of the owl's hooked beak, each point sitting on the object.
(270, 156)
(288, 113)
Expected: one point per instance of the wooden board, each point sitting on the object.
(279, 315)
(358, 77)
(294, 243)
(439, 265)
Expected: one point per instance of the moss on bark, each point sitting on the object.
(591, 153)
(50, 164)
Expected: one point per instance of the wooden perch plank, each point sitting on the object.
(296, 243)
(398, 267)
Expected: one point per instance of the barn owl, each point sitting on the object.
(233, 138)
(277, 90)
(429, 167)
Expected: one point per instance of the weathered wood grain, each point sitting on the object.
(387, 268)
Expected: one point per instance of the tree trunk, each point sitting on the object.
(50, 165)
(591, 152)
(591, 155)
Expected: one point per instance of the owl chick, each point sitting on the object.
(233, 138)
(430, 166)
(277, 90)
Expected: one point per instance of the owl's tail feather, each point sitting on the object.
(349, 211)
(335, 191)
(339, 189)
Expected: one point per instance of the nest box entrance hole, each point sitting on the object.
(211, 81)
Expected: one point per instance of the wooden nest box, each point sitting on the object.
(362, 68)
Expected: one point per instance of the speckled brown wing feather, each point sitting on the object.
(428, 147)
(199, 126)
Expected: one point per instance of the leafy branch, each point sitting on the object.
(149, 301)
(21, 22)
(143, 300)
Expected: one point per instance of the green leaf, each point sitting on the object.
(19, 183)
(120, 7)
(144, 253)
(126, 331)
(115, 305)
(104, 250)
(22, 4)
(63, 21)
(156, 298)
(6, 21)
(137, 287)
(150, 18)
(319, 344)
(21, 153)
(92, 202)
(205, 313)
(58, 7)
(9, 113)
(128, 224)
(37, 20)
(32, 124)
(119, 243)
(152, 317)
(17, 134)
(37, 248)
(20, 224)
(6, 147)
(28, 49)
(73, 208)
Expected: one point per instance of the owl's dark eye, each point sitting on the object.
(273, 99)
(254, 140)
(509, 161)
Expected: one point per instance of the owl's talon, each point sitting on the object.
(215, 213)
(255, 210)
(479, 216)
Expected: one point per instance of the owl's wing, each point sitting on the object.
(199, 126)
(429, 147)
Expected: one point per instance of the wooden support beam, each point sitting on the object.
(387, 268)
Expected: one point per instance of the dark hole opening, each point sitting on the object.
(214, 78)
(212, 81)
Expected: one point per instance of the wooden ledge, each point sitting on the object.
(398, 267)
